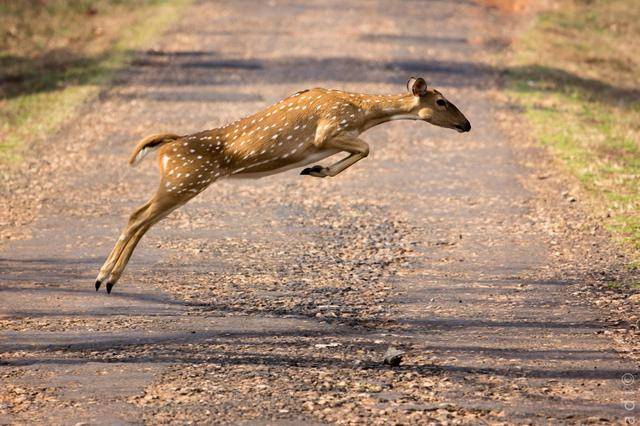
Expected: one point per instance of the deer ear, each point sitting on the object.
(417, 86)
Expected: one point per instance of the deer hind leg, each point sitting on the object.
(108, 265)
(155, 213)
(139, 223)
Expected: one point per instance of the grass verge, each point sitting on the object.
(55, 54)
(576, 74)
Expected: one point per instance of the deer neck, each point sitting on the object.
(382, 108)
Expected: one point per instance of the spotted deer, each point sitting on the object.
(305, 127)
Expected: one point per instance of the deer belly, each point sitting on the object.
(296, 162)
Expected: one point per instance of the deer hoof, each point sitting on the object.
(98, 284)
(317, 171)
(109, 287)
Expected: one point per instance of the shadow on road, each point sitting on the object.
(209, 68)
(178, 348)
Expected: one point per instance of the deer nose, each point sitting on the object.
(464, 127)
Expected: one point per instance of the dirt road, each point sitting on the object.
(273, 301)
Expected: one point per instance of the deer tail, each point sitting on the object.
(149, 144)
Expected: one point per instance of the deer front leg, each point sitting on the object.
(357, 148)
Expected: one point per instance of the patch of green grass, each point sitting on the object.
(34, 115)
(577, 76)
(57, 54)
(612, 285)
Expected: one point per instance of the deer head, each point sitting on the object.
(434, 108)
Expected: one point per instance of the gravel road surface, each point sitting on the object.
(274, 301)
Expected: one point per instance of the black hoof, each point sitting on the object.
(310, 170)
(98, 284)
(109, 287)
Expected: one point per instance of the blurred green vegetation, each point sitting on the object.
(576, 72)
(54, 54)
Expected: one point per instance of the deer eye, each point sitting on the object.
(441, 102)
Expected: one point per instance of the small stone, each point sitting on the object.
(326, 345)
(393, 356)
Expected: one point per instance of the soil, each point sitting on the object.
(275, 301)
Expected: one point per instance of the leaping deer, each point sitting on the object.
(305, 127)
